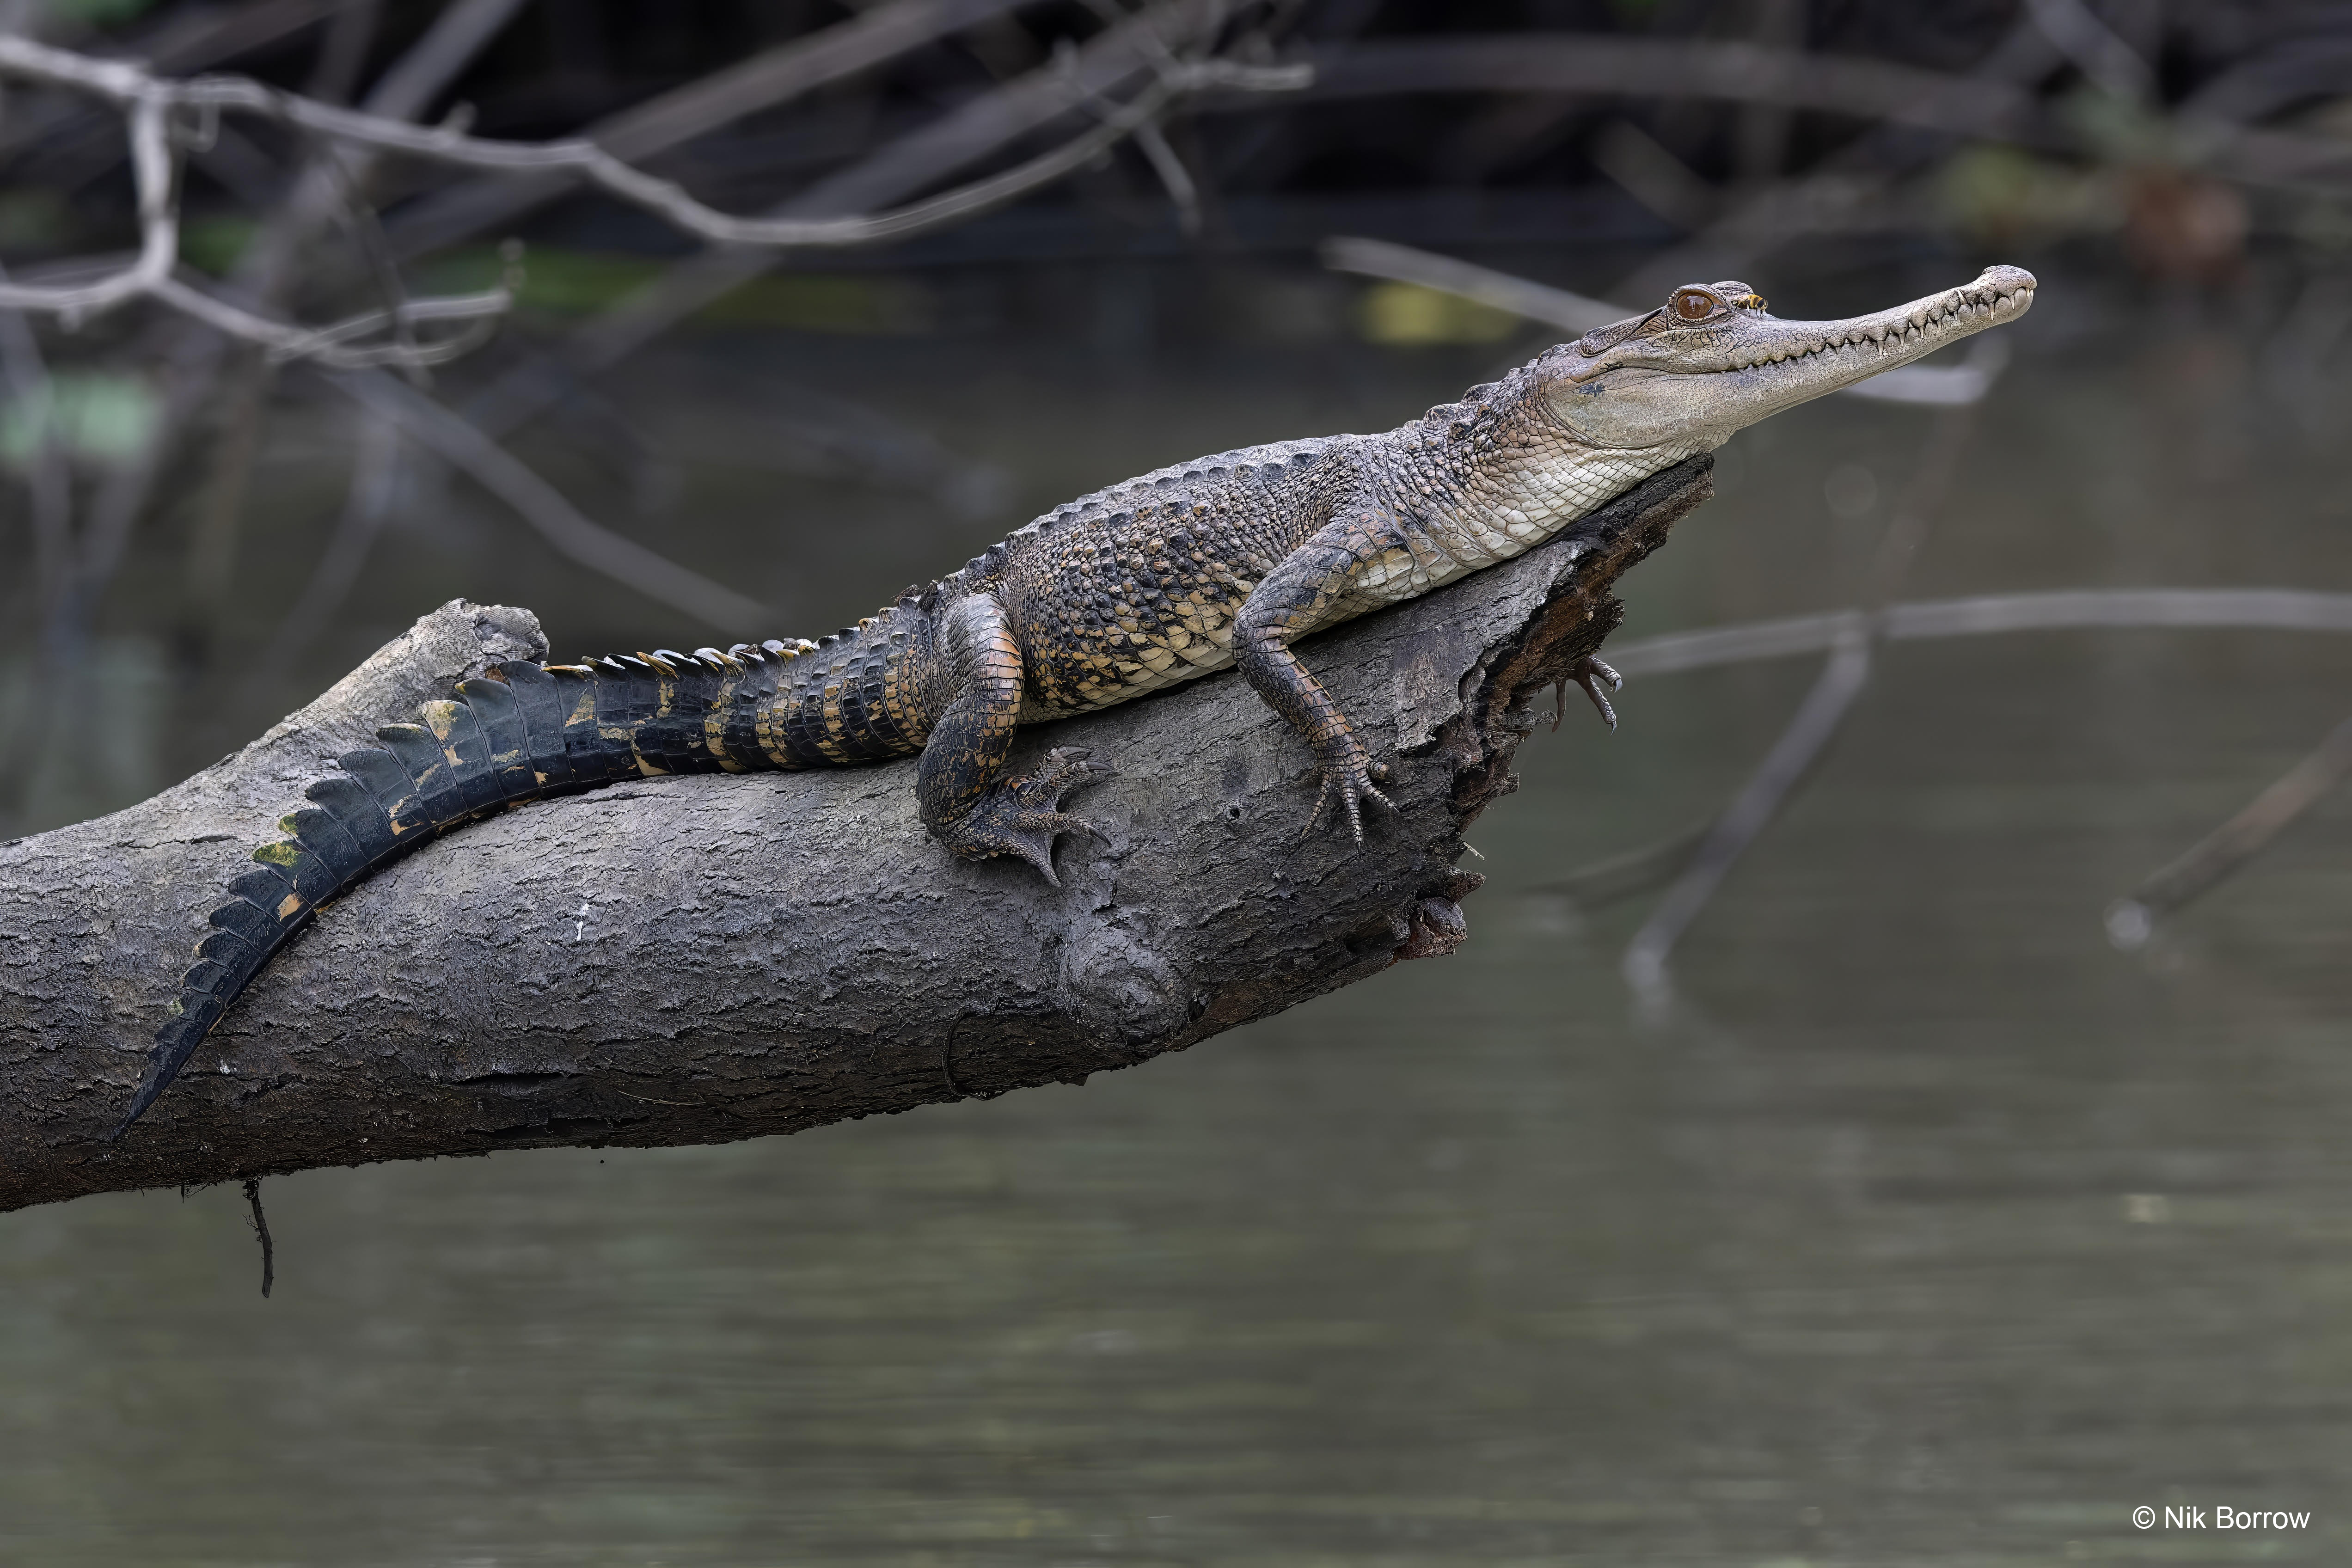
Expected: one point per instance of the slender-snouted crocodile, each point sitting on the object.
(1225, 560)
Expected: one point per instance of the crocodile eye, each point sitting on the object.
(1695, 304)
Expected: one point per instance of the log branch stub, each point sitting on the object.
(696, 960)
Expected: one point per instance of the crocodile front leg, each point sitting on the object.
(1290, 603)
(966, 802)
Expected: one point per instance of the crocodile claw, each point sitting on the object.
(1350, 781)
(1590, 674)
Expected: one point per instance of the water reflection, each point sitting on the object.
(1922, 1228)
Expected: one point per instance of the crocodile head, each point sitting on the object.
(1711, 359)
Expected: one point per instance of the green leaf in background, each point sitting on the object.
(94, 416)
(211, 245)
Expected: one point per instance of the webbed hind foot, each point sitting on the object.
(1023, 816)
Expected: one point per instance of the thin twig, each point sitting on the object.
(2131, 919)
(1994, 614)
(261, 1228)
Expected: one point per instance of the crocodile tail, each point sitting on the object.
(522, 731)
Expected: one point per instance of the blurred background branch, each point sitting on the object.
(148, 103)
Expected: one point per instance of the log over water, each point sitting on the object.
(696, 960)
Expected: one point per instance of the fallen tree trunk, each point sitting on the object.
(699, 959)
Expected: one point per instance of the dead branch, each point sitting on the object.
(696, 960)
(766, 80)
(149, 104)
(2211, 861)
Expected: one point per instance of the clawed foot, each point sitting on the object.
(1348, 777)
(1023, 816)
(1590, 674)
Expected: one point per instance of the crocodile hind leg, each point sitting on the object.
(966, 801)
(1290, 601)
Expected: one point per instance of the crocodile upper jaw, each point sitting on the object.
(1655, 382)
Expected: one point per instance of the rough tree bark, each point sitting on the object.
(695, 960)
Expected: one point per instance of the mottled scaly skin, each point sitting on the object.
(1227, 560)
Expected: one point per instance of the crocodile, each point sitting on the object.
(1225, 561)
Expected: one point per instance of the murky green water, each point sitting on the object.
(1927, 1229)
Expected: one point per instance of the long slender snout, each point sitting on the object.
(1713, 359)
(1862, 346)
